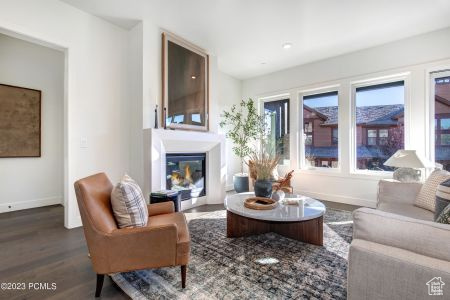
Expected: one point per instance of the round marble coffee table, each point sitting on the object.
(303, 222)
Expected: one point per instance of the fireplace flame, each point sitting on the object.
(178, 179)
(187, 173)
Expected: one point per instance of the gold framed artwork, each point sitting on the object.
(20, 122)
(185, 85)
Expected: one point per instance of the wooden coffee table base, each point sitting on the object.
(310, 231)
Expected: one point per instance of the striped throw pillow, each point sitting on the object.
(444, 216)
(442, 198)
(128, 204)
(427, 195)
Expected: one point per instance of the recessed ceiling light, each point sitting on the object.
(193, 76)
(263, 63)
(287, 45)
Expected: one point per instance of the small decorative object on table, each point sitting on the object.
(260, 203)
(166, 195)
(284, 184)
(279, 185)
(294, 201)
(407, 161)
(278, 195)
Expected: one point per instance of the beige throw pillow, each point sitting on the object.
(427, 195)
(128, 204)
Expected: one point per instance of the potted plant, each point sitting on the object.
(264, 163)
(243, 124)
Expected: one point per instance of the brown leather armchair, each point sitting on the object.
(163, 242)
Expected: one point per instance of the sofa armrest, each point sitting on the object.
(397, 192)
(161, 208)
(421, 237)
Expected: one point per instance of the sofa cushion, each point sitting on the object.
(410, 211)
(421, 237)
(128, 204)
(427, 195)
(444, 216)
(442, 198)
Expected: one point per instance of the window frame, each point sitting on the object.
(405, 77)
(274, 98)
(301, 141)
(432, 74)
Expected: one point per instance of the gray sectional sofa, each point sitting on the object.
(397, 250)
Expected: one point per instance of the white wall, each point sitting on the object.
(414, 56)
(32, 182)
(96, 86)
(229, 93)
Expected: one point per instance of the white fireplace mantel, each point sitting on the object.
(158, 142)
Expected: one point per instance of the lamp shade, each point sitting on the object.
(406, 159)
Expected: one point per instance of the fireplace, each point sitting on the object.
(186, 173)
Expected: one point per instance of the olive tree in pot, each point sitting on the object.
(242, 123)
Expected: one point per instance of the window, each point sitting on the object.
(379, 124)
(377, 137)
(372, 137)
(334, 136)
(442, 121)
(309, 132)
(383, 135)
(277, 120)
(196, 118)
(320, 130)
(178, 119)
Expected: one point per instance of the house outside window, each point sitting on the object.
(379, 127)
(320, 130)
(442, 121)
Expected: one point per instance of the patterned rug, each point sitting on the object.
(266, 266)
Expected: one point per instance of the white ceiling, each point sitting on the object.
(244, 34)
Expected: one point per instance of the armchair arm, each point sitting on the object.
(397, 192)
(421, 237)
(140, 248)
(161, 208)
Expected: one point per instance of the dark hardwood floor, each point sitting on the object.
(36, 248)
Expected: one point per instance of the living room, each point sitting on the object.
(224, 149)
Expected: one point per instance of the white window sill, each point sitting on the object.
(318, 170)
(372, 174)
(337, 172)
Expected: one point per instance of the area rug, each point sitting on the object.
(267, 266)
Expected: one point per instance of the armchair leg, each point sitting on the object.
(98, 289)
(183, 276)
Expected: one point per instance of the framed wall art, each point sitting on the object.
(185, 85)
(20, 122)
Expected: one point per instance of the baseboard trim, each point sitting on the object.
(193, 202)
(13, 206)
(75, 223)
(339, 199)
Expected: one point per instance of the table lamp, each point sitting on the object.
(406, 162)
